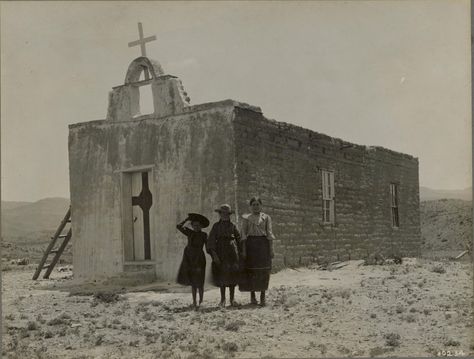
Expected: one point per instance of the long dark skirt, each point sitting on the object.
(258, 265)
(228, 272)
(193, 267)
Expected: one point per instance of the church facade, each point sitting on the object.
(133, 176)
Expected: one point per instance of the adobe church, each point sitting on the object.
(133, 176)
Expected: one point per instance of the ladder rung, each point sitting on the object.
(61, 236)
(58, 252)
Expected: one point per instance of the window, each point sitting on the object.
(328, 196)
(394, 204)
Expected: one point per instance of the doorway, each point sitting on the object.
(137, 200)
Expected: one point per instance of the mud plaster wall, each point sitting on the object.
(193, 171)
(281, 163)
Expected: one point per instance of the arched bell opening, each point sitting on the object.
(147, 91)
(141, 90)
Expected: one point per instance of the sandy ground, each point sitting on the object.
(379, 310)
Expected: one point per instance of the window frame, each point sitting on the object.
(395, 204)
(328, 197)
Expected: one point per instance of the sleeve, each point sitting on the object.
(245, 228)
(211, 240)
(270, 234)
(185, 230)
(236, 234)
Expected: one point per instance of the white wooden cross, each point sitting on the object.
(142, 41)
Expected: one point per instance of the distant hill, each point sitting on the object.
(29, 220)
(429, 194)
(446, 226)
(12, 204)
(27, 228)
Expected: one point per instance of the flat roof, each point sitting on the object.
(232, 103)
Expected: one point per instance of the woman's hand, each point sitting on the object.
(215, 258)
(243, 253)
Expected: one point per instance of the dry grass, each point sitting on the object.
(392, 339)
(234, 325)
(438, 269)
(63, 319)
(451, 343)
(31, 325)
(229, 347)
(106, 297)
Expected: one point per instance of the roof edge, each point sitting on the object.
(187, 110)
(287, 125)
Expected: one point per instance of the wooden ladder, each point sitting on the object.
(58, 235)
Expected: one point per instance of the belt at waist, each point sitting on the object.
(226, 239)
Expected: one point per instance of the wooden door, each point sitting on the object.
(137, 219)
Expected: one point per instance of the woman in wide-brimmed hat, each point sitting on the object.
(223, 245)
(257, 235)
(193, 266)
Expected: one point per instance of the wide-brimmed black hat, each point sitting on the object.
(196, 217)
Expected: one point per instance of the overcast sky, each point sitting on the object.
(389, 73)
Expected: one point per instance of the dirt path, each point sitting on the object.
(389, 310)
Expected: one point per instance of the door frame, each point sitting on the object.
(126, 212)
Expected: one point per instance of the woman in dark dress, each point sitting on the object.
(193, 266)
(223, 246)
(257, 251)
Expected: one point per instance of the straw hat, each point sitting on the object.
(224, 208)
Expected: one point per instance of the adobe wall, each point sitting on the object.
(192, 156)
(281, 163)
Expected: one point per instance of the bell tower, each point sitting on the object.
(167, 91)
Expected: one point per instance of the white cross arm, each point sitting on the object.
(139, 42)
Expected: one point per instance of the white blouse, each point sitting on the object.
(257, 225)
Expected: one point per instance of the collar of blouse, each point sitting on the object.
(254, 216)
